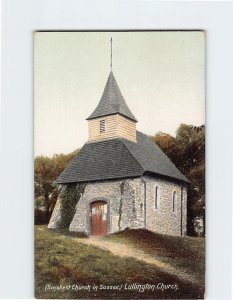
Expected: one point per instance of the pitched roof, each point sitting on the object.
(152, 158)
(112, 101)
(119, 158)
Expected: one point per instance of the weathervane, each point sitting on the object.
(111, 53)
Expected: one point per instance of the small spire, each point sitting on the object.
(111, 53)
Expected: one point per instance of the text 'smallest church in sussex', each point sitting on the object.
(127, 180)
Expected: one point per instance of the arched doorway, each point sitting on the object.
(99, 218)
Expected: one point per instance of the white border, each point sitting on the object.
(19, 19)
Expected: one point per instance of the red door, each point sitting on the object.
(99, 218)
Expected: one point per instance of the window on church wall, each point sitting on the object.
(174, 202)
(183, 203)
(141, 208)
(102, 126)
(134, 206)
(156, 198)
(181, 199)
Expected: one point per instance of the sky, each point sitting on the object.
(161, 75)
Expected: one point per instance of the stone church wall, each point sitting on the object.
(127, 207)
(55, 219)
(123, 198)
(163, 219)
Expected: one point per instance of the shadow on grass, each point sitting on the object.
(66, 232)
(184, 253)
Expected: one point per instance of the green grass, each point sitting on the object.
(66, 261)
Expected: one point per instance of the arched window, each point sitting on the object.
(141, 208)
(156, 197)
(174, 201)
(181, 212)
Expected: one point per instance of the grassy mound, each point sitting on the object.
(64, 261)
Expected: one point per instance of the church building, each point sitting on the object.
(127, 181)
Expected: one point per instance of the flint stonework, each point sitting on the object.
(126, 206)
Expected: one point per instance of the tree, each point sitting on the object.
(187, 152)
(167, 143)
(46, 171)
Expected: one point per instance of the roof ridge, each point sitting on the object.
(163, 153)
(124, 141)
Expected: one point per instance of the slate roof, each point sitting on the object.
(112, 101)
(119, 158)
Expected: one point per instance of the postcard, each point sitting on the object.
(119, 164)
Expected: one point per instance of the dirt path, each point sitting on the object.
(123, 250)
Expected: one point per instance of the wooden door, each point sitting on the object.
(99, 218)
